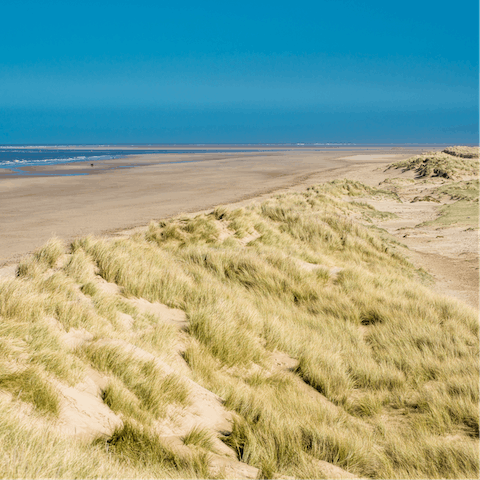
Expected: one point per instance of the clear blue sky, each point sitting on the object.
(248, 72)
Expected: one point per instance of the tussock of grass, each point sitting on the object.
(122, 401)
(154, 389)
(425, 198)
(200, 437)
(200, 229)
(43, 258)
(338, 188)
(387, 371)
(141, 446)
(30, 386)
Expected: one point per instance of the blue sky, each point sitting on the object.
(246, 72)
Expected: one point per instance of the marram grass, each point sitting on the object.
(384, 382)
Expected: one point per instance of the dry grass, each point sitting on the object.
(440, 164)
(465, 152)
(30, 386)
(386, 384)
(200, 437)
(154, 389)
(464, 190)
(136, 445)
(32, 450)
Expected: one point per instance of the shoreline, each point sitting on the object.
(33, 209)
(91, 165)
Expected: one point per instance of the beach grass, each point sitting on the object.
(450, 164)
(462, 151)
(464, 190)
(200, 437)
(461, 213)
(383, 375)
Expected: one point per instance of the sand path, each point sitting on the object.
(449, 254)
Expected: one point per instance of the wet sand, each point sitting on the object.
(124, 193)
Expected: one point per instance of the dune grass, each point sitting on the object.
(137, 445)
(461, 213)
(461, 151)
(200, 437)
(29, 449)
(450, 165)
(154, 389)
(446, 164)
(30, 386)
(386, 377)
(464, 211)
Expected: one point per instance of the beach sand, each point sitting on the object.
(114, 196)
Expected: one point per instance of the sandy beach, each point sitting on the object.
(124, 193)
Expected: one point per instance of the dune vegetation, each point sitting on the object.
(462, 151)
(457, 168)
(451, 163)
(329, 354)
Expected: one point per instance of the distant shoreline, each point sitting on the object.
(46, 161)
(35, 208)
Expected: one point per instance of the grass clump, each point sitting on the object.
(352, 188)
(154, 389)
(199, 437)
(122, 401)
(141, 446)
(30, 386)
(50, 253)
(43, 258)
